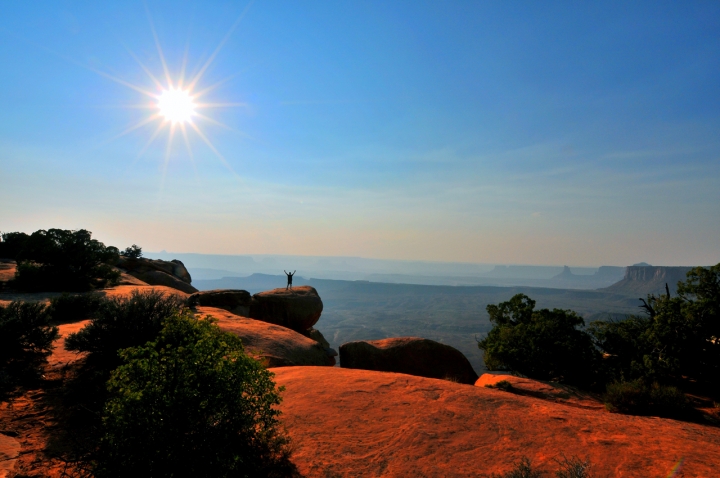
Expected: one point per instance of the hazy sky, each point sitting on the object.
(580, 133)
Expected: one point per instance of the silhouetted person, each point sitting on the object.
(290, 276)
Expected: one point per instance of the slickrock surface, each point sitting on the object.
(554, 392)
(273, 345)
(298, 308)
(345, 422)
(411, 355)
(9, 451)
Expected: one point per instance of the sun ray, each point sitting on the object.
(187, 142)
(168, 149)
(219, 83)
(219, 47)
(137, 125)
(151, 140)
(87, 67)
(183, 68)
(222, 125)
(117, 80)
(213, 149)
(159, 49)
(221, 105)
(145, 69)
(189, 149)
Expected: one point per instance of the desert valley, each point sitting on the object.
(399, 399)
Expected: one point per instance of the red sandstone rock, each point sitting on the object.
(411, 355)
(361, 423)
(298, 308)
(9, 451)
(235, 301)
(157, 272)
(273, 345)
(555, 392)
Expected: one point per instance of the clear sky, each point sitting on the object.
(580, 133)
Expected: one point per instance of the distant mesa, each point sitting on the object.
(647, 279)
(641, 264)
(298, 308)
(409, 355)
(158, 272)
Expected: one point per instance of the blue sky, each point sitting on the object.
(497, 132)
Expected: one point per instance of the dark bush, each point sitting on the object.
(542, 344)
(638, 398)
(676, 340)
(62, 260)
(26, 339)
(573, 467)
(133, 252)
(12, 244)
(74, 307)
(122, 322)
(668, 401)
(631, 397)
(191, 403)
(522, 469)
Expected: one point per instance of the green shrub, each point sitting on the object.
(637, 398)
(542, 344)
(191, 403)
(573, 467)
(501, 385)
(668, 401)
(75, 307)
(62, 260)
(26, 339)
(677, 339)
(631, 397)
(122, 322)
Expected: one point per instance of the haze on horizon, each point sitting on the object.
(494, 132)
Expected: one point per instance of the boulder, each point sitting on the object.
(410, 355)
(158, 272)
(318, 337)
(161, 278)
(235, 301)
(551, 391)
(298, 308)
(272, 345)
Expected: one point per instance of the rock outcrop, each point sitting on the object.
(298, 308)
(645, 280)
(347, 423)
(157, 272)
(272, 345)
(410, 355)
(554, 392)
(233, 300)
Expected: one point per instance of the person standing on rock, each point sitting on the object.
(290, 276)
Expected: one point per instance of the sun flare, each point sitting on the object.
(176, 105)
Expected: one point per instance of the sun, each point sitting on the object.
(176, 102)
(176, 105)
